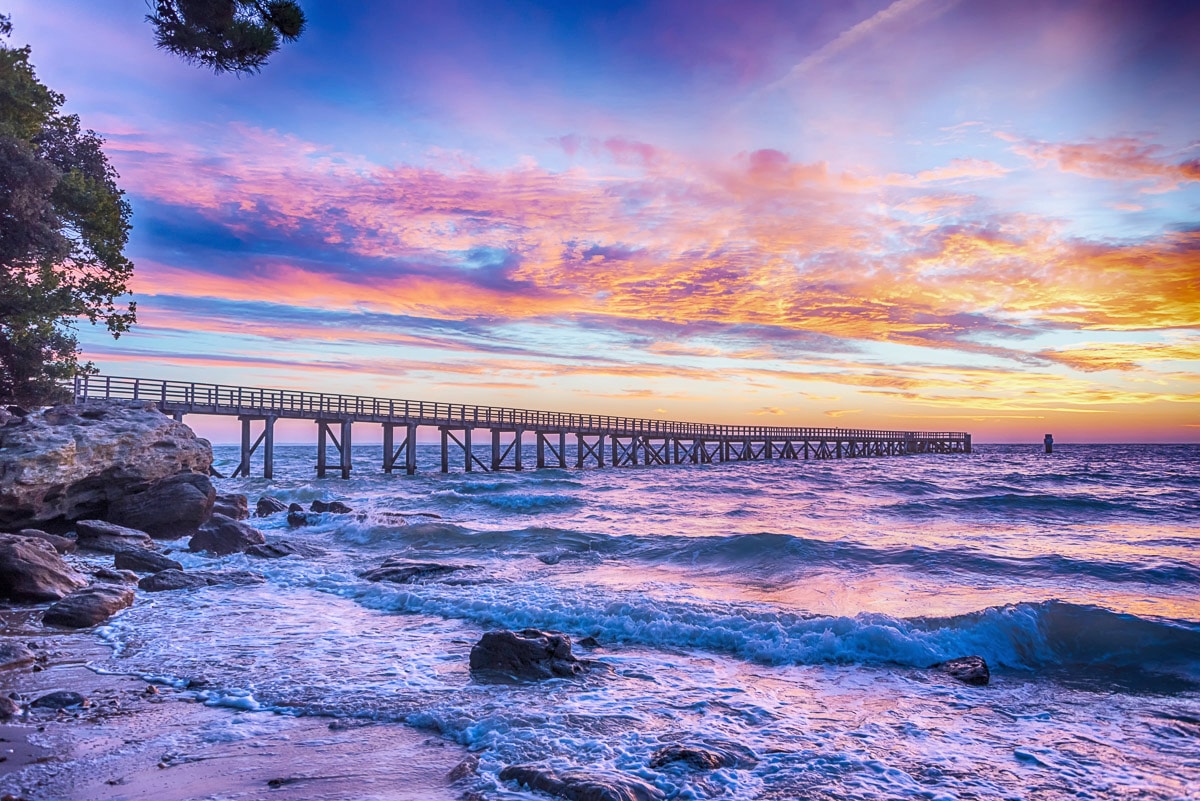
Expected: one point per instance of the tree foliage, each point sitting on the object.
(63, 228)
(226, 35)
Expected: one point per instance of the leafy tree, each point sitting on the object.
(226, 35)
(63, 227)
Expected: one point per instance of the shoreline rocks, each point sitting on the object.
(972, 670)
(97, 535)
(404, 571)
(141, 560)
(268, 506)
(232, 505)
(223, 535)
(88, 607)
(73, 462)
(169, 508)
(529, 654)
(576, 785)
(31, 571)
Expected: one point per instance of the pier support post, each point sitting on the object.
(541, 449)
(268, 447)
(346, 450)
(1049, 441)
(322, 432)
(466, 443)
(389, 451)
(517, 449)
(562, 448)
(495, 449)
(177, 417)
(410, 450)
(967, 444)
(445, 451)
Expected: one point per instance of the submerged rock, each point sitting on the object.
(88, 607)
(403, 571)
(61, 544)
(223, 535)
(62, 699)
(233, 505)
(333, 507)
(71, 462)
(268, 506)
(528, 654)
(97, 535)
(971, 670)
(169, 508)
(14, 655)
(144, 561)
(582, 786)
(31, 571)
(296, 516)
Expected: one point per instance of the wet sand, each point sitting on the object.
(135, 740)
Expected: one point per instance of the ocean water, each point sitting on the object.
(789, 608)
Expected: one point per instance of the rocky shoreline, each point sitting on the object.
(94, 500)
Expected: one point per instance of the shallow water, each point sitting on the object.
(789, 607)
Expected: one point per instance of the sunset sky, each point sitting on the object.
(979, 216)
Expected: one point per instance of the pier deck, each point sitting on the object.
(599, 439)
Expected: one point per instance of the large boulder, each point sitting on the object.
(88, 607)
(223, 535)
(144, 561)
(577, 785)
(96, 535)
(66, 463)
(169, 508)
(528, 654)
(31, 571)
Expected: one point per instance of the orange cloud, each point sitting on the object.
(1119, 158)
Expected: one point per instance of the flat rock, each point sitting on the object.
(119, 576)
(223, 535)
(61, 544)
(403, 571)
(71, 462)
(169, 508)
(98, 535)
(582, 785)
(268, 506)
(528, 654)
(971, 670)
(172, 579)
(31, 571)
(232, 505)
(282, 548)
(144, 561)
(63, 699)
(14, 655)
(332, 507)
(88, 607)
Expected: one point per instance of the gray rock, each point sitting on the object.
(223, 535)
(402, 571)
(528, 654)
(169, 508)
(172, 579)
(31, 571)
(63, 699)
(282, 548)
(61, 544)
(268, 506)
(297, 517)
(234, 506)
(88, 607)
(971, 670)
(333, 507)
(582, 786)
(71, 462)
(97, 535)
(8, 708)
(144, 561)
(14, 655)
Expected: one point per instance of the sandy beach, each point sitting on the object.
(136, 740)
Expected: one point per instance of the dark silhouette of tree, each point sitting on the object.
(63, 227)
(226, 35)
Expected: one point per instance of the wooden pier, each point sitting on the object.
(599, 440)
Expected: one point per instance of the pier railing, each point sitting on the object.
(199, 398)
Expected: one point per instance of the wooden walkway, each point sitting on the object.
(599, 440)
